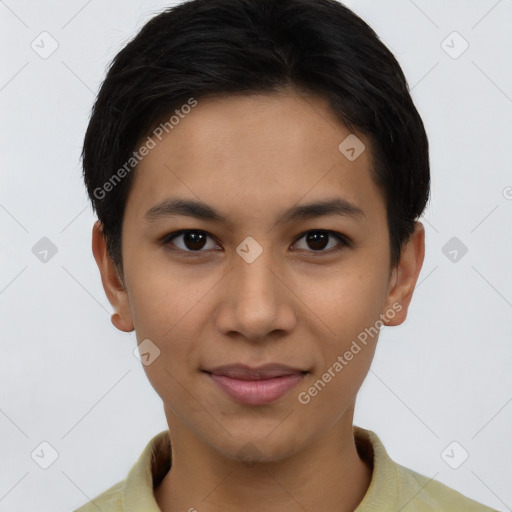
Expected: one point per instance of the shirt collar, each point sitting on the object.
(382, 492)
(146, 473)
(155, 461)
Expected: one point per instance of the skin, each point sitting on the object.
(300, 304)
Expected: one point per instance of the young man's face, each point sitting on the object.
(260, 287)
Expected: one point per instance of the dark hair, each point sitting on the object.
(204, 48)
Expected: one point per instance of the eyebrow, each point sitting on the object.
(199, 210)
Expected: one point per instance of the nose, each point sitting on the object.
(256, 302)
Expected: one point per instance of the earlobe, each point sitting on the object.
(405, 276)
(117, 322)
(112, 282)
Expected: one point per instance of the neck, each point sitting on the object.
(326, 475)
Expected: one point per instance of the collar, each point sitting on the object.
(156, 459)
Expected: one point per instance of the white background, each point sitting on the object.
(69, 378)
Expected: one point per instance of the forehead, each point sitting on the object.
(252, 151)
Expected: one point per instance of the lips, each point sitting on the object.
(255, 386)
(242, 372)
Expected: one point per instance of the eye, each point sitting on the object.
(194, 241)
(190, 240)
(318, 240)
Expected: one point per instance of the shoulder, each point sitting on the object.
(108, 501)
(396, 487)
(432, 495)
(136, 490)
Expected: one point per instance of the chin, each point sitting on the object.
(256, 445)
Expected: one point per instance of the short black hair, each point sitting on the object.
(205, 48)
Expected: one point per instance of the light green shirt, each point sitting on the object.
(392, 488)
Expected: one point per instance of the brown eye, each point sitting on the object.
(319, 240)
(191, 240)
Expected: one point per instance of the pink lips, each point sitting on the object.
(255, 386)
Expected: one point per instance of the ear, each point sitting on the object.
(404, 277)
(112, 282)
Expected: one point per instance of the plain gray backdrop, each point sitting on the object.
(439, 393)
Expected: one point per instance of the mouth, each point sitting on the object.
(255, 386)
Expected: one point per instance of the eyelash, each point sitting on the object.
(342, 239)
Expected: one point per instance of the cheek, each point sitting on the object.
(349, 301)
(349, 308)
(176, 352)
(167, 310)
(345, 352)
(163, 298)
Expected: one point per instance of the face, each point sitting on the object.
(260, 286)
